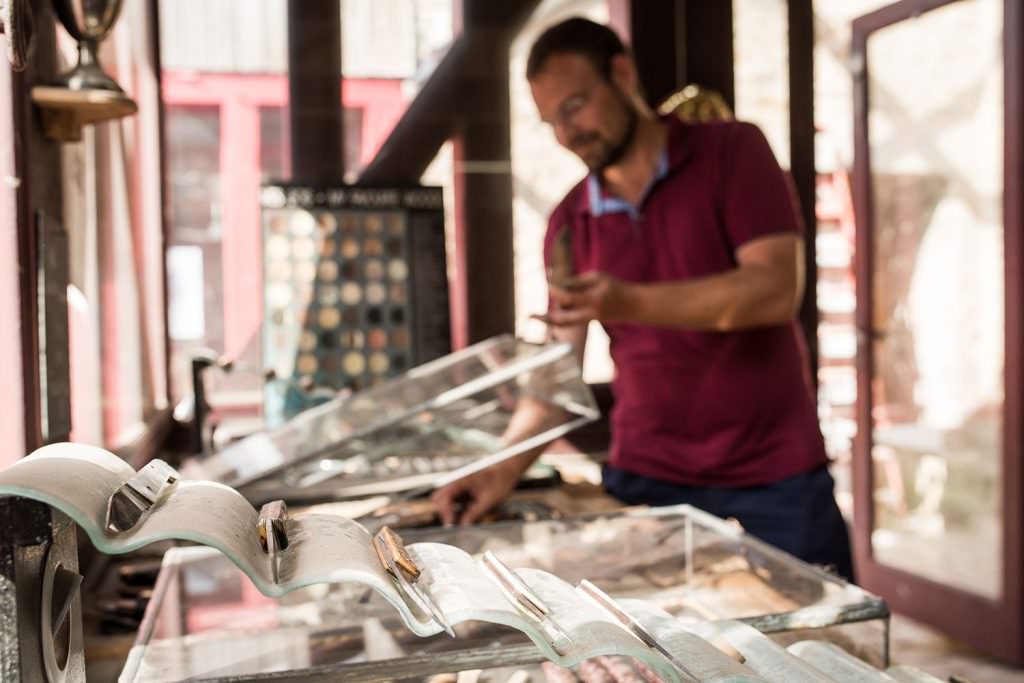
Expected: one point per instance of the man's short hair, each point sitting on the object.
(594, 41)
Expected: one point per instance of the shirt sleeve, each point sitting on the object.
(757, 196)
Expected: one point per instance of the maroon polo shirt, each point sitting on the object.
(699, 408)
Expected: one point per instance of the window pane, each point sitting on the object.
(543, 172)
(194, 272)
(225, 91)
(936, 136)
(836, 233)
(760, 57)
(389, 50)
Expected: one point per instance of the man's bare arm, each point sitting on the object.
(479, 492)
(765, 288)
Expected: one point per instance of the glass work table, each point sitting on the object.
(206, 622)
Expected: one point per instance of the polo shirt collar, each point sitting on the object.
(672, 157)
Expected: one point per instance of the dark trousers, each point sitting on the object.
(798, 514)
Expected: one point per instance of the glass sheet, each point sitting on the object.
(440, 416)
(937, 279)
(680, 560)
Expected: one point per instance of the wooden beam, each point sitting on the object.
(676, 42)
(1012, 508)
(440, 106)
(47, 383)
(165, 194)
(314, 91)
(483, 171)
(708, 46)
(656, 36)
(801, 156)
(483, 190)
(467, 99)
(427, 124)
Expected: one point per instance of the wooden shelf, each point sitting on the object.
(65, 111)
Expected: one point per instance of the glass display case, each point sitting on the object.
(447, 415)
(206, 622)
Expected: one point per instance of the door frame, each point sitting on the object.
(992, 626)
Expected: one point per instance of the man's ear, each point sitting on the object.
(622, 72)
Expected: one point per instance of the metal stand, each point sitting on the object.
(40, 604)
(201, 434)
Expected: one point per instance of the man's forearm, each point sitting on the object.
(763, 288)
(737, 299)
(531, 417)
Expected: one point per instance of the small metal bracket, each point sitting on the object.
(140, 494)
(272, 532)
(631, 625)
(273, 535)
(406, 573)
(523, 597)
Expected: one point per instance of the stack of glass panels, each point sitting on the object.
(407, 432)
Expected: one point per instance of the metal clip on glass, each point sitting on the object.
(140, 494)
(273, 535)
(520, 594)
(630, 624)
(396, 561)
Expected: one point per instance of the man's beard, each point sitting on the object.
(617, 151)
(612, 151)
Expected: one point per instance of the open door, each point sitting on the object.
(937, 185)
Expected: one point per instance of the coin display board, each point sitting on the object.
(355, 289)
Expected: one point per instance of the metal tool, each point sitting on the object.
(396, 561)
(522, 596)
(40, 596)
(140, 494)
(630, 624)
(273, 534)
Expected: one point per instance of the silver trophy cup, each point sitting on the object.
(88, 22)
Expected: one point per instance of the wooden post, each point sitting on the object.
(314, 91)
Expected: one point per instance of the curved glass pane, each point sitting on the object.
(200, 620)
(936, 136)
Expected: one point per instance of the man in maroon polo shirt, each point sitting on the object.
(690, 255)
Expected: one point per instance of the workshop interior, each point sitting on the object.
(294, 296)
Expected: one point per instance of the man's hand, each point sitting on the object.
(477, 493)
(591, 296)
(765, 288)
